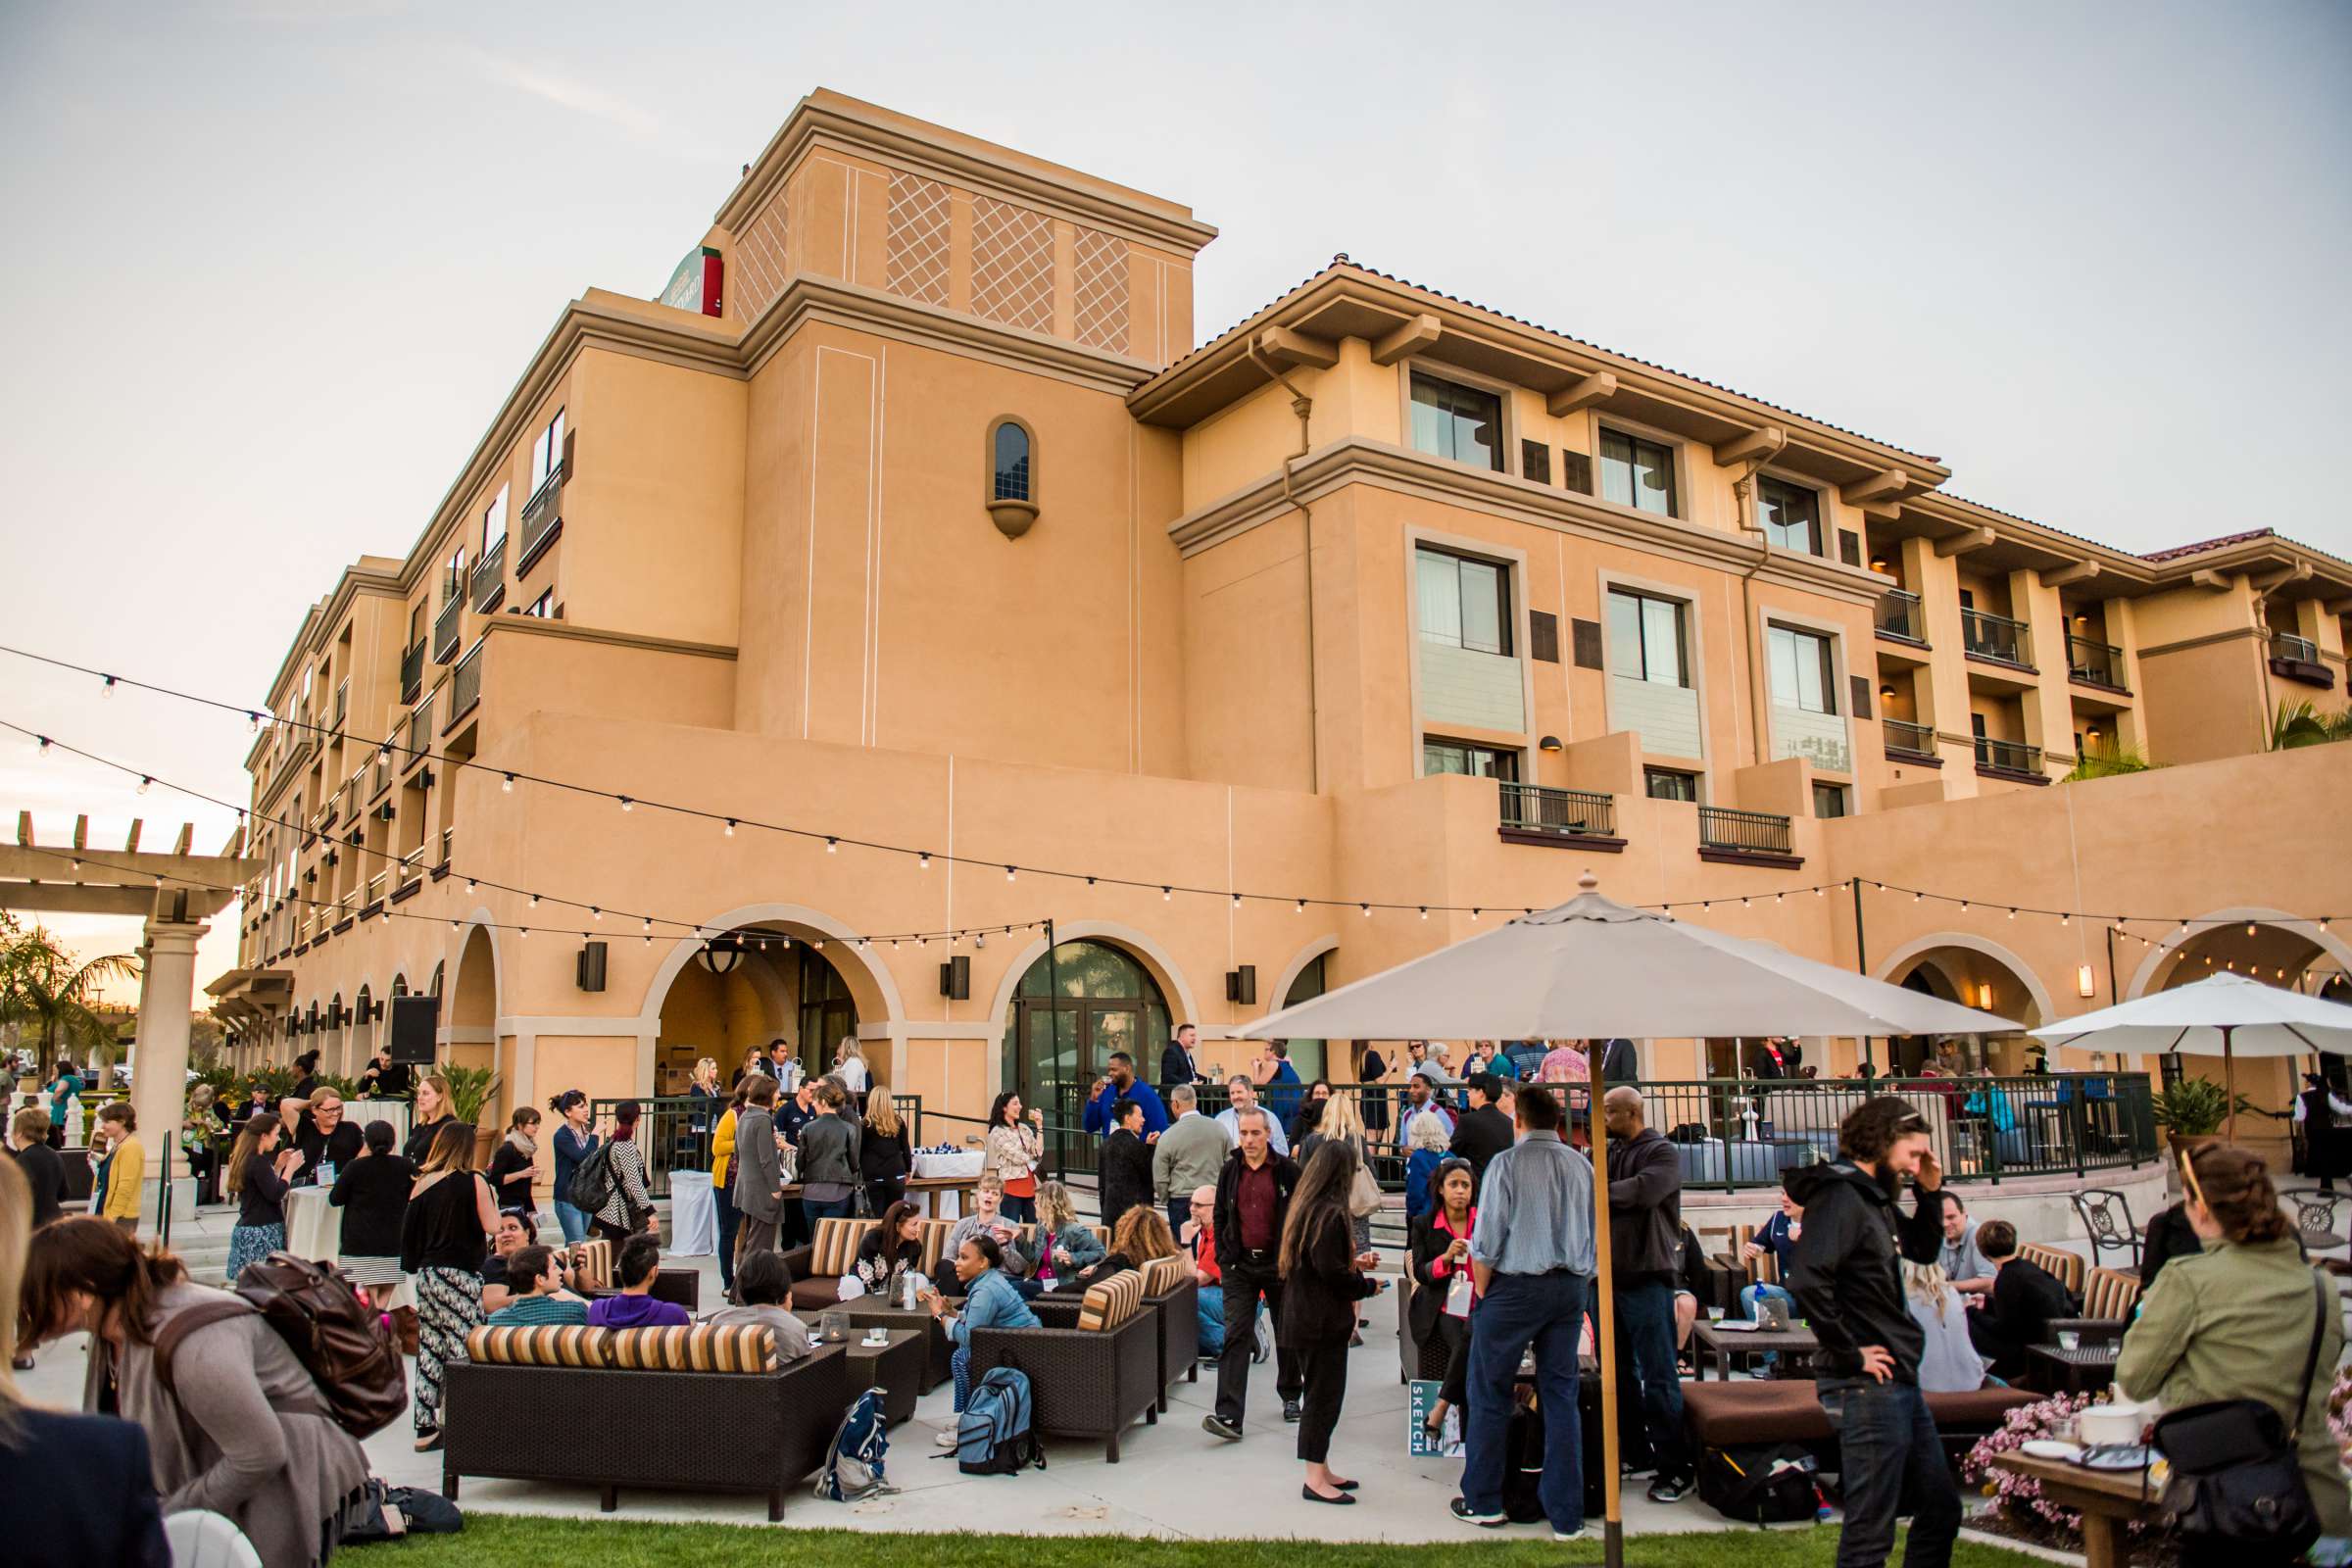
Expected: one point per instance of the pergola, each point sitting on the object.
(174, 893)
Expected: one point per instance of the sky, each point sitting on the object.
(276, 264)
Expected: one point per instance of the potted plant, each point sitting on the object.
(2192, 1108)
(472, 1091)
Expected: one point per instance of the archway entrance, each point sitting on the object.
(1972, 978)
(1077, 1005)
(753, 988)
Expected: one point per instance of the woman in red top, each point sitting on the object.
(1443, 1294)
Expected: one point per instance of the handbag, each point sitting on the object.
(1363, 1193)
(2235, 1473)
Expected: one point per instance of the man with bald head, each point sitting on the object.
(1645, 1240)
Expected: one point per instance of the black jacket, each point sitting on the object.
(1618, 1062)
(1228, 1221)
(884, 1159)
(1479, 1136)
(1176, 1068)
(2025, 1298)
(420, 1142)
(1848, 1273)
(80, 1490)
(1428, 1244)
(374, 1195)
(338, 1147)
(2170, 1236)
(1124, 1168)
(1319, 1295)
(1645, 1209)
(45, 1174)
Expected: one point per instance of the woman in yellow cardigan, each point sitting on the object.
(722, 1194)
(125, 1166)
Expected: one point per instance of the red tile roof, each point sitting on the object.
(2203, 545)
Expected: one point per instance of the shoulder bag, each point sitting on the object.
(2236, 1474)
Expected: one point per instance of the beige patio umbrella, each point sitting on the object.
(1591, 968)
(2228, 1016)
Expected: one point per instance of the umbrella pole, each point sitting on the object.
(1605, 1339)
(2229, 1081)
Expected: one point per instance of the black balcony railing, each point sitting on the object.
(2100, 663)
(2301, 650)
(412, 671)
(1909, 739)
(2008, 756)
(1749, 832)
(1997, 637)
(1900, 617)
(489, 574)
(541, 514)
(420, 729)
(1540, 808)
(446, 623)
(466, 684)
(342, 705)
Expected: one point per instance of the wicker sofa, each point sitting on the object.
(1093, 1378)
(1172, 1296)
(603, 1408)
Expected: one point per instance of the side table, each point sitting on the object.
(895, 1369)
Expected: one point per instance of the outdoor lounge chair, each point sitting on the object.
(1093, 1378)
(1172, 1296)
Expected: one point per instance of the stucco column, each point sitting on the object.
(160, 1071)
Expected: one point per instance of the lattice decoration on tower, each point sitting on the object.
(760, 266)
(1013, 264)
(1098, 290)
(915, 259)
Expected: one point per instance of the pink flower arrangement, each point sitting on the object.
(2016, 1493)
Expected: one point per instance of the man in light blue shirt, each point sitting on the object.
(1532, 1259)
(1244, 1090)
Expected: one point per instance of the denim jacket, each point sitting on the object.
(990, 1302)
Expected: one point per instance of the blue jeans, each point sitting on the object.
(1545, 1311)
(731, 1220)
(959, 1367)
(1018, 1210)
(812, 1211)
(1212, 1319)
(1646, 1379)
(1890, 1462)
(575, 1223)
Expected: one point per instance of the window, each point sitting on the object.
(1010, 460)
(1829, 800)
(1535, 462)
(1790, 514)
(417, 624)
(1799, 662)
(1645, 639)
(1638, 473)
(1464, 602)
(1465, 756)
(456, 585)
(1665, 784)
(1459, 422)
(544, 606)
(547, 454)
(494, 522)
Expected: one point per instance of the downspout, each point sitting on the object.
(1742, 494)
(1302, 406)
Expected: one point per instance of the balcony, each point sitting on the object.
(2012, 759)
(379, 776)
(466, 685)
(420, 730)
(342, 706)
(1906, 739)
(412, 671)
(1762, 838)
(2094, 663)
(445, 625)
(2297, 658)
(1900, 618)
(1533, 813)
(489, 580)
(542, 521)
(1995, 639)
(449, 839)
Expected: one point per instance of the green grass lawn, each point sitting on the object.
(614, 1543)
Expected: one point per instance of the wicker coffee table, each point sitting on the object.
(894, 1368)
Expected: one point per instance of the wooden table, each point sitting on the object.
(1723, 1343)
(2107, 1501)
(894, 1368)
(2084, 1368)
(932, 1186)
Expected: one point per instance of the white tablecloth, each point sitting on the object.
(963, 1162)
(693, 1217)
(314, 1230)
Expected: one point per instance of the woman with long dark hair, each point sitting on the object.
(1323, 1277)
(1015, 1146)
(631, 1205)
(1443, 1294)
(891, 1255)
(575, 1142)
(239, 1427)
(515, 1166)
(443, 1237)
(259, 1173)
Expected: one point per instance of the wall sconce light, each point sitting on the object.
(2085, 984)
(1887, 694)
(1549, 743)
(1984, 994)
(1877, 563)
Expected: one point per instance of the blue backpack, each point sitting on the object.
(854, 1466)
(993, 1436)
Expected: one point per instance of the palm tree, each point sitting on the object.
(2303, 724)
(45, 993)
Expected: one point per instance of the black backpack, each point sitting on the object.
(592, 1181)
(1759, 1483)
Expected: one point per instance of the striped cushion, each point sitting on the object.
(835, 1250)
(592, 1265)
(702, 1347)
(2110, 1293)
(1163, 1274)
(2063, 1265)
(935, 1241)
(1112, 1303)
(572, 1345)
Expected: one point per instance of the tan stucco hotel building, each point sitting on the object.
(917, 513)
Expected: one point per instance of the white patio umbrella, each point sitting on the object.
(2226, 1016)
(1591, 968)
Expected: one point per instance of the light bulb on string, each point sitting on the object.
(144, 781)
(1301, 909)
(922, 862)
(1011, 872)
(1366, 909)
(1164, 895)
(107, 690)
(626, 803)
(832, 846)
(730, 833)
(534, 900)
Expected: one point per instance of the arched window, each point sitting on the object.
(1073, 1008)
(400, 985)
(1011, 472)
(438, 971)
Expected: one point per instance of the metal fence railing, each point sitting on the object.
(1908, 738)
(1721, 827)
(1997, 637)
(1900, 617)
(675, 1130)
(1542, 808)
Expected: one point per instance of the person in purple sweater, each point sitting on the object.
(634, 1308)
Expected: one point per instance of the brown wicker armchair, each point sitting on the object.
(758, 1431)
(1172, 1296)
(1085, 1381)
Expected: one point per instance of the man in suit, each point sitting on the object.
(1177, 1064)
(1618, 1062)
(1484, 1130)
